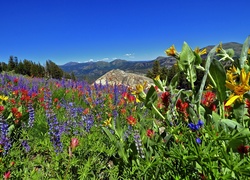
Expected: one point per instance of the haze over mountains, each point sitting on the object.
(93, 70)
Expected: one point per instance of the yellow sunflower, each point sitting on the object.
(239, 89)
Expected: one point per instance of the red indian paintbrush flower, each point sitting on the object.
(165, 97)
(74, 143)
(131, 120)
(150, 133)
(182, 108)
(1, 109)
(6, 175)
(208, 100)
(243, 149)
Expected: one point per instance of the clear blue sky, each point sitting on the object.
(83, 30)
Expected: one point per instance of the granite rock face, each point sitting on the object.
(117, 76)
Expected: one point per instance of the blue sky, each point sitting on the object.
(92, 30)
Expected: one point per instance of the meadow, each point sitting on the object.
(64, 129)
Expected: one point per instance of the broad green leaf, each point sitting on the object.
(151, 97)
(158, 83)
(244, 52)
(174, 81)
(192, 74)
(207, 67)
(111, 136)
(187, 55)
(232, 124)
(218, 73)
(198, 59)
(239, 111)
(216, 119)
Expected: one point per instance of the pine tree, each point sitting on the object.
(11, 64)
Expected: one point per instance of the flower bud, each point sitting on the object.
(74, 143)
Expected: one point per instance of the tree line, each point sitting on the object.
(168, 73)
(30, 68)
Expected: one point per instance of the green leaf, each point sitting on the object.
(108, 133)
(216, 119)
(244, 52)
(207, 67)
(239, 111)
(232, 124)
(218, 73)
(198, 59)
(151, 97)
(187, 55)
(174, 81)
(192, 74)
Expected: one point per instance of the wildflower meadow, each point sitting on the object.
(65, 129)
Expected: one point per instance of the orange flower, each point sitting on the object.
(86, 111)
(123, 111)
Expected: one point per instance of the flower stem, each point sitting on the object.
(156, 110)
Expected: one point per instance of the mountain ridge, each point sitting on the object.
(91, 70)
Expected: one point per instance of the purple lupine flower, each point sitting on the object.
(138, 144)
(31, 115)
(54, 128)
(88, 122)
(4, 139)
(127, 133)
(26, 146)
(116, 94)
(55, 135)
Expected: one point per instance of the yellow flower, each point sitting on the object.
(157, 78)
(232, 74)
(200, 52)
(248, 52)
(209, 87)
(239, 89)
(3, 98)
(107, 122)
(171, 51)
(219, 48)
(139, 91)
(139, 88)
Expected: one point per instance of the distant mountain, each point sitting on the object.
(71, 63)
(234, 45)
(91, 71)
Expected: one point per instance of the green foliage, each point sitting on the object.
(116, 132)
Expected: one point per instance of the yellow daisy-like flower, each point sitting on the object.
(171, 51)
(107, 122)
(157, 78)
(139, 91)
(200, 52)
(239, 89)
(3, 98)
(219, 48)
(248, 52)
(232, 74)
